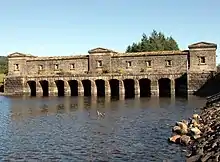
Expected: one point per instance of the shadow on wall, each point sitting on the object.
(211, 86)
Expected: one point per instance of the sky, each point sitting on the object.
(72, 27)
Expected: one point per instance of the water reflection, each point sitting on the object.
(33, 107)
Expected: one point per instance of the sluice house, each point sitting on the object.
(103, 72)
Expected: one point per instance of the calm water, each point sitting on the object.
(68, 128)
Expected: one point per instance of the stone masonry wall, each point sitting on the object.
(158, 63)
(209, 56)
(13, 85)
(196, 81)
(105, 60)
(64, 66)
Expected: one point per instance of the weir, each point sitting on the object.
(104, 72)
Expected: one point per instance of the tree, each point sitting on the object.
(155, 42)
(3, 65)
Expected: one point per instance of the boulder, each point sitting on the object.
(196, 117)
(185, 140)
(195, 123)
(175, 139)
(184, 127)
(177, 129)
(195, 131)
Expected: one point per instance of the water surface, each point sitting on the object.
(68, 128)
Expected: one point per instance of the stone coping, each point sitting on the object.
(29, 57)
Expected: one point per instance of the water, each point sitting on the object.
(68, 128)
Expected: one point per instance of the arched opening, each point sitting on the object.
(2, 88)
(60, 87)
(114, 86)
(181, 86)
(164, 87)
(73, 87)
(87, 87)
(129, 88)
(44, 84)
(100, 84)
(145, 90)
(32, 86)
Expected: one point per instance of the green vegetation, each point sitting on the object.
(1, 78)
(3, 65)
(3, 68)
(155, 42)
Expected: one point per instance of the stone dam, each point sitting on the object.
(103, 72)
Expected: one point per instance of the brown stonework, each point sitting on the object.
(25, 70)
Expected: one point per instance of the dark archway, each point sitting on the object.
(2, 88)
(44, 84)
(114, 86)
(87, 87)
(60, 87)
(129, 88)
(164, 87)
(32, 86)
(145, 90)
(100, 84)
(181, 86)
(73, 87)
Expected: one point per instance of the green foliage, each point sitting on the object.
(3, 65)
(155, 42)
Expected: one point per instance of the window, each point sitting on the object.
(202, 60)
(128, 64)
(148, 63)
(56, 67)
(16, 67)
(41, 67)
(99, 63)
(168, 63)
(72, 66)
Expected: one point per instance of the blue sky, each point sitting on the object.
(68, 27)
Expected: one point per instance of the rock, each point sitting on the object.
(177, 129)
(196, 117)
(201, 135)
(195, 123)
(185, 122)
(185, 140)
(196, 136)
(206, 157)
(184, 127)
(195, 131)
(193, 158)
(175, 139)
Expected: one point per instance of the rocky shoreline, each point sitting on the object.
(200, 134)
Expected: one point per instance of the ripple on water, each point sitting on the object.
(68, 129)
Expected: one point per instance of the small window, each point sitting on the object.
(128, 64)
(148, 63)
(99, 63)
(56, 67)
(202, 60)
(168, 62)
(16, 68)
(41, 67)
(72, 66)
